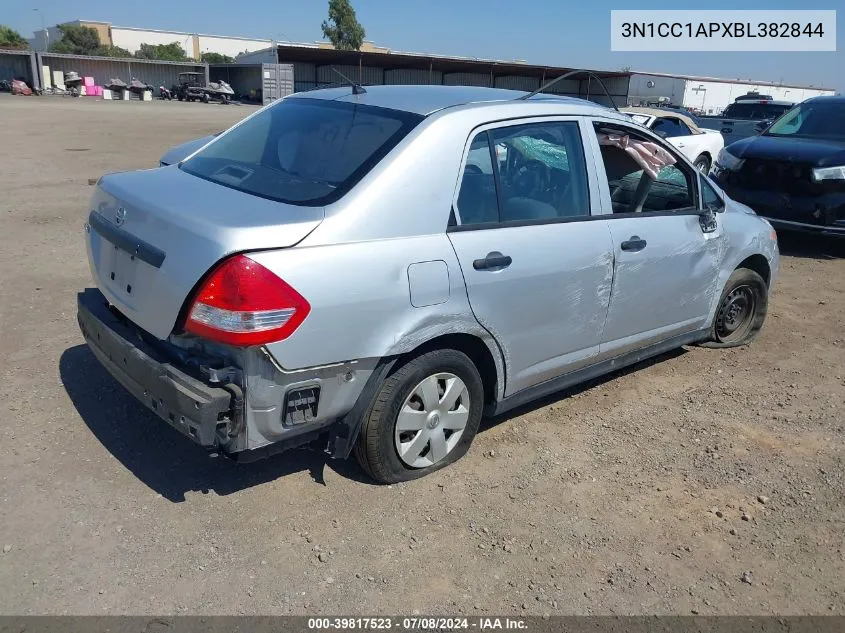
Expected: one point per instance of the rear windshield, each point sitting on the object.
(302, 151)
(753, 111)
(812, 120)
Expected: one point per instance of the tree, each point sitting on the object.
(342, 28)
(216, 58)
(11, 39)
(77, 40)
(112, 51)
(172, 52)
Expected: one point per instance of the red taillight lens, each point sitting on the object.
(243, 303)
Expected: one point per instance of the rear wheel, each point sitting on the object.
(424, 417)
(702, 164)
(741, 311)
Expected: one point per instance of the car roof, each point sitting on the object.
(661, 113)
(828, 98)
(778, 102)
(426, 100)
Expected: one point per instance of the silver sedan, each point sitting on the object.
(373, 270)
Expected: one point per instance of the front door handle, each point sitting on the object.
(494, 261)
(633, 244)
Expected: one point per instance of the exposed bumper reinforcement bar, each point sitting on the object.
(199, 411)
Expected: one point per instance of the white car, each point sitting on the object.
(700, 145)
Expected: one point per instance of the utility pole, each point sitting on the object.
(44, 29)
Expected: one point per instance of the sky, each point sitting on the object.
(570, 33)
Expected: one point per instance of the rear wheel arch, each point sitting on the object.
(478, 352)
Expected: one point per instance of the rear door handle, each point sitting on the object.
(493, 261)
(633, 244)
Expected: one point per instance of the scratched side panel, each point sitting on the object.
(745, 235)
(546, 309)
(665, 289)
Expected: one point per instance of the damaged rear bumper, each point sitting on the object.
(206, 414)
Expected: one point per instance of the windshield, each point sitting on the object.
(754, 111)
(812, 120)
(302, 151)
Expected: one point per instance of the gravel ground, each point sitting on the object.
(705, 482)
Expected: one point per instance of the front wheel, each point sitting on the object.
(741, 310)
(702, 164)
(424, 417)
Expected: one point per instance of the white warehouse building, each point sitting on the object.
(709, 95)
(131, 38)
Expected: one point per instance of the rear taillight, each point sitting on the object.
(243, 303)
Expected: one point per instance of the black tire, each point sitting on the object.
(741, 310)
(180, 97)
(375, 449)
(206, 98)
(702, 164)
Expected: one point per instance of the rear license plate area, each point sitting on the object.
(119, 270)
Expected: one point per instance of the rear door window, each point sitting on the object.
(539, 173)
(302, 151)
(477, 202)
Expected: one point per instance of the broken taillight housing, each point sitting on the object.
(243, 303)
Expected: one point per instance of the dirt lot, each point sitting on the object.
(653, 491)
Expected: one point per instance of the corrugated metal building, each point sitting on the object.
(710, 95)
(102, 69)
(312, 68)
(19, 65)
(263, 83)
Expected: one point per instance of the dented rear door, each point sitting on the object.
(539, 285)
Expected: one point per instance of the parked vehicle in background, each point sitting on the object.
(746, 116)
(685, 111)
(375, 269)
(794, 173)
(698, 145)
(192, 87)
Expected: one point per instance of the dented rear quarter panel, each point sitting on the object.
(360, 301)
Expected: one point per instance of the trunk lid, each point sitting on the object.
(152, 235)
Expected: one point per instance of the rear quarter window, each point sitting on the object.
(302, 151)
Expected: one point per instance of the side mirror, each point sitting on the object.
(707, 220)
(660, 133)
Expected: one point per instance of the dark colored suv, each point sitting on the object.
(794, 172)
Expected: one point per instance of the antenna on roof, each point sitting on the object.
(551, 83)
(357, 89)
